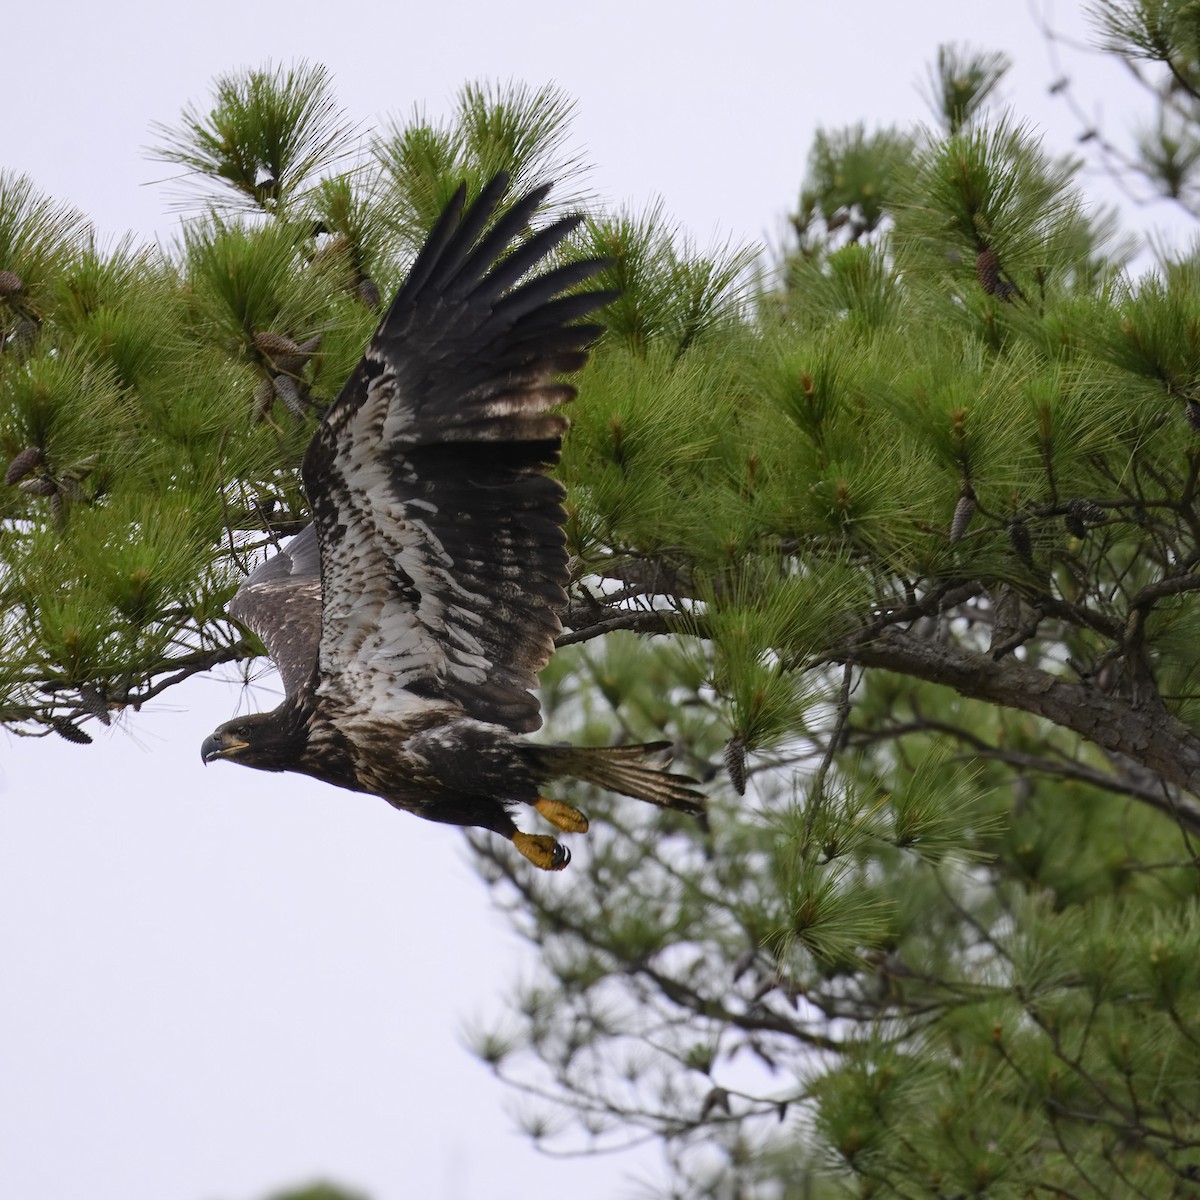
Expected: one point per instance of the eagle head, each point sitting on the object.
(259, 740)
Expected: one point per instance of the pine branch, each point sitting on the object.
(647, 621)
(1145, 733)
(183, 668)
(1149, 791)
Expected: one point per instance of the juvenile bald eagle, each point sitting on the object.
(409, 621)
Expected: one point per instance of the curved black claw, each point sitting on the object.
(542, 850)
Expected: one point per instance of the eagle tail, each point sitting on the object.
(623, 769)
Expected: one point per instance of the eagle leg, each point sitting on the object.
(541, 850)
(561, 816)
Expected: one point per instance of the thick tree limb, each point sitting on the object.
(1145, 733)
(1149, 790)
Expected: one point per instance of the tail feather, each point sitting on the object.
(623, 769)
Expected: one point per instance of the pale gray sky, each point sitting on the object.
(217, 982)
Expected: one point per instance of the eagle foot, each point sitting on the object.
(542, 850)
(561, 816)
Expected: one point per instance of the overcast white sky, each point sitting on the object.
(218, 982)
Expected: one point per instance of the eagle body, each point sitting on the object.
(409, 621)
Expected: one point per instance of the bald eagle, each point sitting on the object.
(410, 619)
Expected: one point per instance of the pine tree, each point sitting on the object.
(896, 546)
(931, 522)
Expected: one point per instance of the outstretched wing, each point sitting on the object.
(280, 601)
(442, 553)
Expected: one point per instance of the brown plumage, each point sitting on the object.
(411, 618)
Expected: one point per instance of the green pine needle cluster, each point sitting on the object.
(267, 135)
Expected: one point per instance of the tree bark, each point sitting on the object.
(1146, 733)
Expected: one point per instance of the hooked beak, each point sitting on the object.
(215, 746)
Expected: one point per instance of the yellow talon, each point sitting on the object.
(561, 816)
(542, 850)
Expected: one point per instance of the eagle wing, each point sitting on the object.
(280, 600)
(443, 559)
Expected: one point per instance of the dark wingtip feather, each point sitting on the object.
(459, 225)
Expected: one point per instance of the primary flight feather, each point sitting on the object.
(410, 620)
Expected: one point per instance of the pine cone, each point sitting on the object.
(293, 364)
(28, 460)
(1018, 533)
(66, 729)
(43, 485)
(964, 510)
(735, 763)
(285, 356)
(368, 292)
(988, 269)
(274, 344)
(289, 393)
(1080, 514)
(10, 284)
(92, 699)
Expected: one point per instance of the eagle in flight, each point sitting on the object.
(410, 619)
